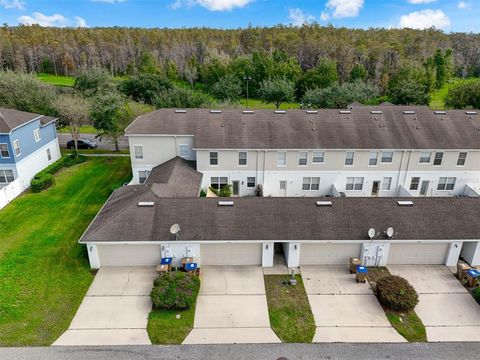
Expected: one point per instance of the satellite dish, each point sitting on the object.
(174, 229)
(371, 233)
(390, 232)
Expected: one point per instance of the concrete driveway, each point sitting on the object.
(115, 309)
(447, 310)
(345, 311)
(231, 307)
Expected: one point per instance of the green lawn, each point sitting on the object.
(437, 97)
(44, 272)
(57, 80)
(86, 129)
(259, 104)
(95, 151)
(290, 315)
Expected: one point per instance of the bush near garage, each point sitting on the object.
(395, 293)
(175, 290)
(476, 294)
(44, 179)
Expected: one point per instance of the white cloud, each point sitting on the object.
(463, 5)
(55, 20)
(110, 1)
(425, 19)
(212, 5)
(298, 17)
(421, 1)
(13, 4)
(341, 9)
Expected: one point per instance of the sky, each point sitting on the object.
(447, 15)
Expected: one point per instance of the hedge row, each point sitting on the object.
(44, 179)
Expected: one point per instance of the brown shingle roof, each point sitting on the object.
(282, 218)
(327, 129)
(10, 119)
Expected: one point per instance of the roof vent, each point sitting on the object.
(440, 112)
(405, 203)
(280, 112)
(225, 203)
(146, 204)
(471, 112)
(180, 111)
(324, 203)
(408, 112)
(345, 112)
(312, 111)
(215, 111)
(376, 112)
(248, 111)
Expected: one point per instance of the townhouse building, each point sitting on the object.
(385, 151)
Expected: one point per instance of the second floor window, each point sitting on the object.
(242, 158)
(6, 176)
(282, 158)
(425, 157)
(311, 183)
(16, 148)
(462, 158)
(438, 159)
(446, 183)
(4, 151)
(349, 158)
(36, 135)
(387, 157)
(138, 152)
(414, 183)
(302, 158)
(373, 158)
(213, 158)
(318, 157)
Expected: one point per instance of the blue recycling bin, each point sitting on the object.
(190, 267)
(361, 275)
(166, 261)
(472, 277)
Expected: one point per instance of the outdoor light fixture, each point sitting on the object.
(266, 246)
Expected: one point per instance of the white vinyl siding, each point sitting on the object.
(231, 254)
(328, 254)
(417, 254)
(129, 255)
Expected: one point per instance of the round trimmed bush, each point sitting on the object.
(175, 291)
(396, 293)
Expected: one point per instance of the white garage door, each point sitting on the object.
(129, 255)
(328, 254)
(231, 254)
(422, 254)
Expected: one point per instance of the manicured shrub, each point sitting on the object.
(203, 193)
(476, 294)
(175, 291)
(396, 293)
(42, 183)
(44, 179)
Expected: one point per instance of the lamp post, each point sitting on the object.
(247, 79)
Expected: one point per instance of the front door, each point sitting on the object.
(424, 188)
(283, 187)
(375, 188)
(235, 188)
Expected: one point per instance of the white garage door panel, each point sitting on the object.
(231, 254)
(422, 254)
(328, 254)
(129, 255)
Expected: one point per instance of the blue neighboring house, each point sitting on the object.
(28, 144)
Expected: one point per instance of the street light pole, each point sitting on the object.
(247, 79)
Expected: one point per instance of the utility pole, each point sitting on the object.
(247, 79)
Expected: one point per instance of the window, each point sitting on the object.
(184, 150)
(302, 158)
(16, 148)
(143, 175)
(282, 158)
(438, 159)
(425, 157)
(6, 176)
(373, 158)
(311, 184)
(414, 183)
(218, 182)
(386, 183)
(4, 151)
(318, 157)
(446, 183)
(283, 184)
(462, 157)
(387, 157)
(251, 182)
(354, 183)
(49, 155)
(213, 158)
(138, 151)
(349, 158)
(242, 158)
(36, 135)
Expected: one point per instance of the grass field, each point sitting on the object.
(437, 97)
(44, 272)
(86, 129)
(259, 104)
(57, 80)
(164, 328)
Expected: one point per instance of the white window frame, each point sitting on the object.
(254, 182)
(373, 156)
(318, 154)
(303, 157)
(283, 184)
(147, 174)
(210, 158)
(180, 151)
(311, 182)
(16, 147)
(218, 181)
(387, 159)
(423, 156)
(136, 154)
(417, 183)
(386, 180)
(460, 158)
(441, 158)
(354, 181)
(49, 154)
(36, 135)
(348, 158)
(7, 149)
(284, 164)
(240, 158)
(444, 185)
(4, 172)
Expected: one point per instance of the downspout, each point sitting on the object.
(264, 167)
(406, 170)
(400, 171)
